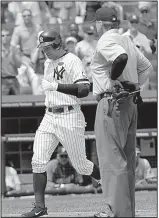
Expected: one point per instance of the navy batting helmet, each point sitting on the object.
(50, 37)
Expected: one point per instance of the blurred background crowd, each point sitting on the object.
(23, 62)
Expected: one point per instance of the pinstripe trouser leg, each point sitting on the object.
(70, 133)
(44, 145)
(67, 128)
(116, 141)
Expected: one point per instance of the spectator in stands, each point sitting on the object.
(63, 10)
(70, 44)
(16, 9)
(11, 61)
(74, 31)
(25, 37)
(85, 48)
(80, 11)
(147, 25)
(6, 15)
(60, 172)
(143, 172)
(140, 40)
(12, 181)
(91, 8)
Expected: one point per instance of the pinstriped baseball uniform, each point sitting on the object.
(116, 136)
(68, 127)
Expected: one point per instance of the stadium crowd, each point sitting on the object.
(23, 62)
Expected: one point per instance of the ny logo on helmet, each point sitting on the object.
(58, 72)
(41, 39)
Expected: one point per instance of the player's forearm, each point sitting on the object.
(118, 66)
(144, 75)
(78, 90)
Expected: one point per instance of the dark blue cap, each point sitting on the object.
(106, 14)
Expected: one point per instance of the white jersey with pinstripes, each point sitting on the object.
(109, 47)
(66, 70)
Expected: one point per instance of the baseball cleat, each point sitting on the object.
(36, 212)
(107, 213)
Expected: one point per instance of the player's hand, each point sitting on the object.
(46, 85)
(111, 84)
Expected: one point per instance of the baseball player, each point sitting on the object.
(64, 83)
(118, 71)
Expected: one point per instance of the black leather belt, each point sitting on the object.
(60, 109)
(105, 94)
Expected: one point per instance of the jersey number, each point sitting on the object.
(58, 74)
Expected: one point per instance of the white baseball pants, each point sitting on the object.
(67, 128)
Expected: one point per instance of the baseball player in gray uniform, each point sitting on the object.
(64, 83)
(118, 71)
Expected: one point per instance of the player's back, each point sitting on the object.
(130, 71)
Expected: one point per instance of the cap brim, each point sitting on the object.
(43, 44)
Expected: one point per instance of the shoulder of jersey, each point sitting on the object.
(103, 41)
(70, 57)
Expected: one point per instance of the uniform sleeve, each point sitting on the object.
(15, 40)
(77, 71)
(46, 68)
(148, 172)
(111, 51)
(144, 67)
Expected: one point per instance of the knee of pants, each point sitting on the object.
(38, 166)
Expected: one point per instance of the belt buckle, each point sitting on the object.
(60, 110)
(107, 94)
(65, 109)
(69, 108)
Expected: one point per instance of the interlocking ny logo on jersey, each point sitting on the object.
(58, 72)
